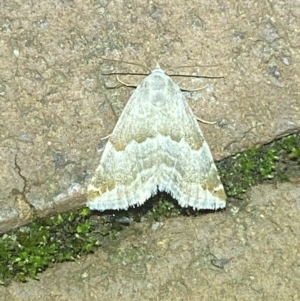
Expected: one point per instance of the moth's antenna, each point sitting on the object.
(192, 66)
(125, 84)
(125, 73)
(202, 76)
(130, 63)
(188, 75)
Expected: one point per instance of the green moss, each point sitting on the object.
(271, 162)
(30, 250)
(165, 208)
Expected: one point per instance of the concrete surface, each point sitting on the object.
(248, 252)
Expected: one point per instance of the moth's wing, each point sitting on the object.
(185, 166)
(125, 175)
(156, 144)
(187, 170)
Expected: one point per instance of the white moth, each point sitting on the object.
(157, 145)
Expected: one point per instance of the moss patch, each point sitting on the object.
(29, 250)
(277, 161)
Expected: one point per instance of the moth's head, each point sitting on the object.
(158, 70)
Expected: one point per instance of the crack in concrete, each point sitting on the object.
(22, 205)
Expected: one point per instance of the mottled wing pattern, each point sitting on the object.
(157, 144)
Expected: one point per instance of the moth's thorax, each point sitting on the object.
(160, 87)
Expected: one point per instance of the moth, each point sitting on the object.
(156, 145)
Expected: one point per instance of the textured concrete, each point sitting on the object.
(248, 252)
(55, 106)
